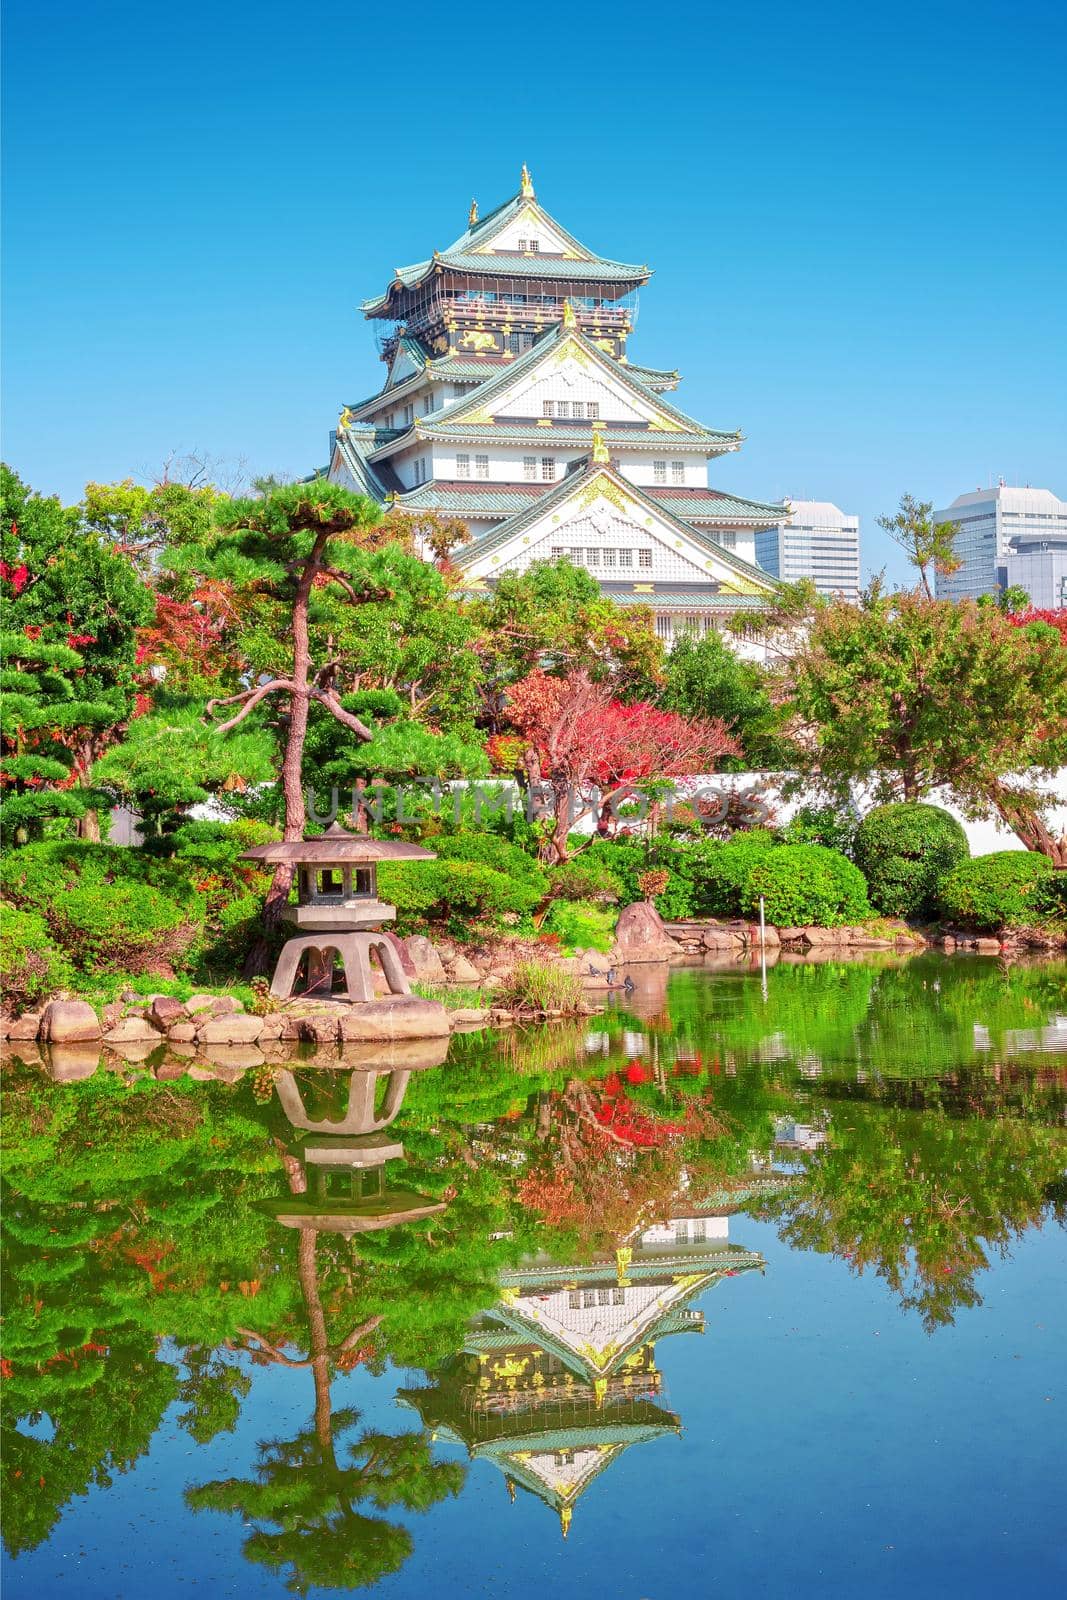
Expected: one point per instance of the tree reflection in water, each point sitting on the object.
(164, 1237)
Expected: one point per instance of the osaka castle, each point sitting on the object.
(510, 401)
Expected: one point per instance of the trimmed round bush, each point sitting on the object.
(807, 885)
(828, 825)
(32, 968)
(904, 851)
(1007, 889)
(490, 850)
(585, 879)
(720, 872)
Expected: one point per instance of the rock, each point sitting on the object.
(404, 1016)
(400, 947)
(771, 937)
(792, 935)
(199, 1002)
(987, 947)
(185, 1052)
(721, 939)
(111, 1013)
(136, 1049)
(315, 1029)
(273, 1027)
(469, 1017)
(168, 1071)
(448, 950)
(230, 1028)
(181, 1033)
(25, 1027)
(641, 936)
(821, 937)
(460, 970)
(132, 1030)
(165, 1010)
(428, 965)
(224, 1005)
(69, 1020)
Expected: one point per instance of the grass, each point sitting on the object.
(455, 999)
(540, 986)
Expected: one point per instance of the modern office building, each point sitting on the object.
(1008, 535)
(819, 542)
(511, 401)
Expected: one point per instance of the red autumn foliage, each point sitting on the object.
(1055, 619)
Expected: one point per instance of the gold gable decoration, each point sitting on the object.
(526, 188)
(472, 215)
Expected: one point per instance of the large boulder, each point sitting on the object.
(460, 970)
(132, 1030)
(66, 1021)
(429, 968)
(641, 936)
(404, 1016)
(165, 1010)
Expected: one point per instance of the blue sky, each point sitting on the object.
(856, 218)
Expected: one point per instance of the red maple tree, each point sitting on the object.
(592, 750)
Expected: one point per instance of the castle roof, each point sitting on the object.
(472, 253)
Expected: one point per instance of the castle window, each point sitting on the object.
(576, 555)
(626, 558)
(548, 468)
(535, 245)
(563, 408)
(481, 466)
(463, 466)
(557, 552)
(609, 558)
(618, 1297)
(522, 244)
(592, 410)
(574, 1299)
(409, 414)
(427, 405)
(548, 408)
(659, 472)
(663, 627)
(592, 558)
(644, 558)
(603, 1297)
(529, 468)
(677, 471)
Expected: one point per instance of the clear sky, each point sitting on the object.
(856, 215)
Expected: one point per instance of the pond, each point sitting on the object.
(753, 1284)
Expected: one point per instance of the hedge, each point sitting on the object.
(32, 967)
(807, 885)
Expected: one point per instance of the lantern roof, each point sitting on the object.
(338, 846)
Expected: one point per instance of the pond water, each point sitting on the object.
(750, 1285)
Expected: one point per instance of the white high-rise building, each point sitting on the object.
(820, 542)
(1008, 535)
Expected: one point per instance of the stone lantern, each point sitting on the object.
(338, 911)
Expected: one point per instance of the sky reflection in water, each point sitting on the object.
(729, 1290)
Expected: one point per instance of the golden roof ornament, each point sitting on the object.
(472, 214)
(565, 1519)
(570, 321)
(344, 420)
(601, 459)
(526, 188)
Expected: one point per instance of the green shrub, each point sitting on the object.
(807, 885)
(828, 825)
(580, 925)
(904, 851)
(588, 878)
(31, 967)
(455, 893)
(541, 986)
(1007, 889)
(490, 850)
(720, 871)
(106, 907)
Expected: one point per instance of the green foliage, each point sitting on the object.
(1004, 890)
(107, 908)
(904, 851)
(541, 986)
(454, 894)
(721, 872)
(172, 758)
(493, 851)
(32, 967)
(581, 925)
(807, 885)
(706, 678)
(832, 826)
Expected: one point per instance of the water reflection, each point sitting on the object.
(522, 1224)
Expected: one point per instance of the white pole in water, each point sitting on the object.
(763, 946)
